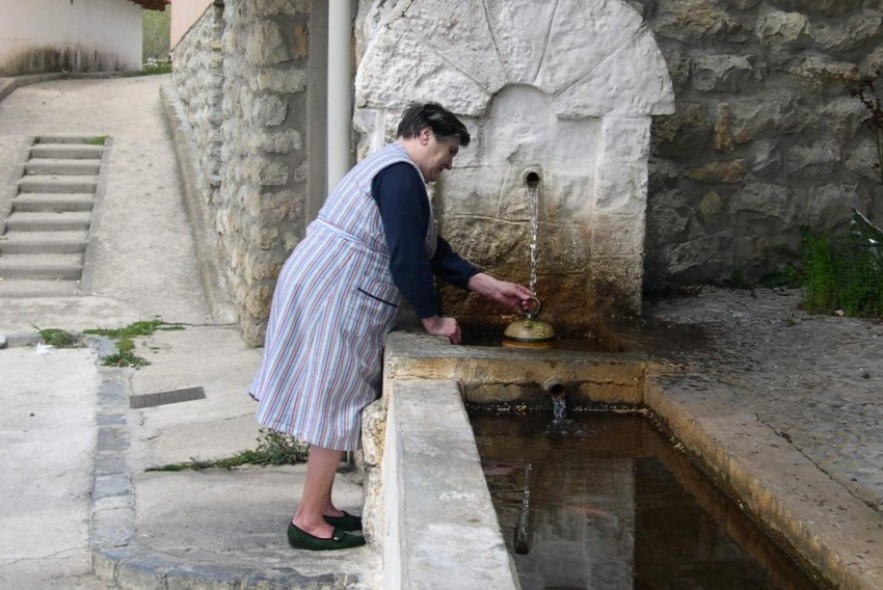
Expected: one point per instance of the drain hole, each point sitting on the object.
(149, 400)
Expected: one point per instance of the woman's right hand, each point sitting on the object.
(441, 326)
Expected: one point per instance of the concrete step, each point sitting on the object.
(58, 167)
(68, 221)
(66, 151)
(78, 139)
(53, 203)
(44, 242)
(57, 184)
(41, 266)
(38, 288)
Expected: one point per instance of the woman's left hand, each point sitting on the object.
(511, 295)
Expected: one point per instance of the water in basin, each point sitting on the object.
(605, 502)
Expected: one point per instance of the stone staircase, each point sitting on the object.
(42, 250)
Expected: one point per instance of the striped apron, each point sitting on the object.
(333, 305)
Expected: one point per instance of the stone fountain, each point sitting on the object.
(556, 92)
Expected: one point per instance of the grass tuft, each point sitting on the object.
(844, 273)
(97, 140)
(59, 338)
(273, 448)
(125, 337)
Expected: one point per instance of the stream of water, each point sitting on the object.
(533, 195)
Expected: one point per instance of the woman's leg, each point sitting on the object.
(315, 502)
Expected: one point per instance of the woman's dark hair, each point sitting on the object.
(442, 122)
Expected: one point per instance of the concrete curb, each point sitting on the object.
(10, 190)
(117, 555)
(9, 84)
(88, 276)
(195, 196)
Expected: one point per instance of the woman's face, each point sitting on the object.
(438, 154)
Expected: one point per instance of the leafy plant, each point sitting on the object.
(59, 338)
(274, 448)
(818, 271)
(125, 355)
(844, 273)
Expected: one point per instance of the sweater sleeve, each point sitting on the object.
(448, 265)
(404, 210)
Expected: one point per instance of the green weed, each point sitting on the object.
(97, 140)
(125, 337)
(153, 69)
(273, 448)
(843, 273)
(59, 338)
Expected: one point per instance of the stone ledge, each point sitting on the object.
(833, 534)
(440, 524)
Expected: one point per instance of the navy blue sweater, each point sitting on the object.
(404, 209)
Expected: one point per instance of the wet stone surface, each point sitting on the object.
(816, 380)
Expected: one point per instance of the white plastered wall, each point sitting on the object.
(566, 89)
(111, 28)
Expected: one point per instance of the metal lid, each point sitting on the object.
(529, 332)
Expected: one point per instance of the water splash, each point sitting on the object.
(559, 409)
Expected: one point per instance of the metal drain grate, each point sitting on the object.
(161, 398)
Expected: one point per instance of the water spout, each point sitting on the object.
(554, 387)
(556, 391)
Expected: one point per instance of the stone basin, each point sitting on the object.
(427, 504)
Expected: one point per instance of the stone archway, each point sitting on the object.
(564, 89)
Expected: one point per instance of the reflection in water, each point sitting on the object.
(602, 502)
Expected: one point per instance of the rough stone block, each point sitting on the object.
(771, 200)
(273, 173)
(723, 171)
(781, 29)
(817, 159)
(269, 110)
(722, 73)
(621, 187)
(265, 44)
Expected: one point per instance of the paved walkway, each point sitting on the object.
(216, 529)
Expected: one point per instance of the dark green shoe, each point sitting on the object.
(300, 539)
(347, 522)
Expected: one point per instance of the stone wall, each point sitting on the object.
(766, 138)
(241, 74)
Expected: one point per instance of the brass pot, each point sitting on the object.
(529, 332)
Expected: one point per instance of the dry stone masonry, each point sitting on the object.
(241, 74)
(765, 138)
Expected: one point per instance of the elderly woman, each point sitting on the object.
(373, 246)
